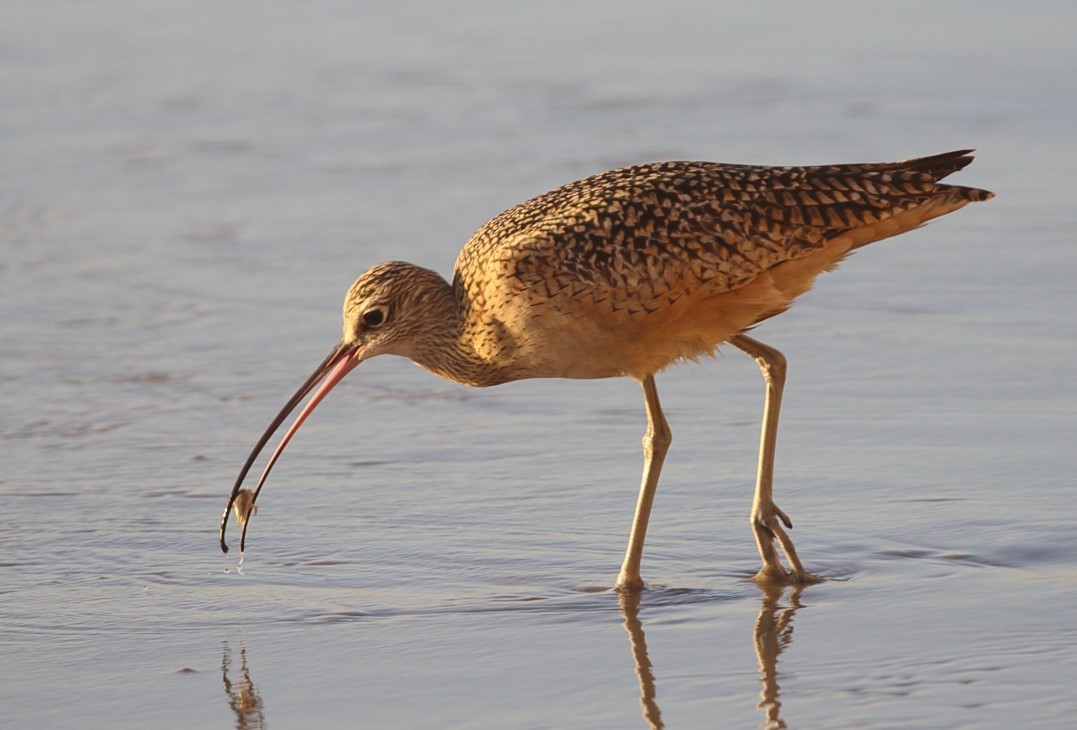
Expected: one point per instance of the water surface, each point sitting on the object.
(189, 188)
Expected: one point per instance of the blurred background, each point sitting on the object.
(188, 188)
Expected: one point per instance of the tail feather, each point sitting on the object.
(935, 200)
(937, 166)
(964, 192)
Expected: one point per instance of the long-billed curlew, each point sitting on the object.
(624, 273)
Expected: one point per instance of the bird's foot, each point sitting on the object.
(780, 575)
(627, 582)
(769, 525)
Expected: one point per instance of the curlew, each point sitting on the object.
(622, 274)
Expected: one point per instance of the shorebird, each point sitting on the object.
(622, 274)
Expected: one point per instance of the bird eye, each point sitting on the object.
(374, 317)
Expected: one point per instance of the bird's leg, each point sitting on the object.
(766, 519)
(655, 444)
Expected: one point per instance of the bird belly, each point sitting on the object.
(638, 336)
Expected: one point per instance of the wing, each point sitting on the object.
(640, 235)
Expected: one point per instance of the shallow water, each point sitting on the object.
(188, 190)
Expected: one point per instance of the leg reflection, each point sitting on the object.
(242, 696)
(629, 601)
(773, 632)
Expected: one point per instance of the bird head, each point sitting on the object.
(392, 308)
(387, 311)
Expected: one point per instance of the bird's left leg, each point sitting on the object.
(766, 519)
(656, 442)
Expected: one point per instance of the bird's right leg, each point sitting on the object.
(655, 445)
(766, 518)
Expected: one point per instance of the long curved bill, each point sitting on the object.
(341, 361)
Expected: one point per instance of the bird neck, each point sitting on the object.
(451, 347)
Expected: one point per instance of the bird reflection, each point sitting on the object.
(773, 633)
(242, 696)
(629, 601)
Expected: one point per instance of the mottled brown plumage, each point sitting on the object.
(628, 271)
(554, 286)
